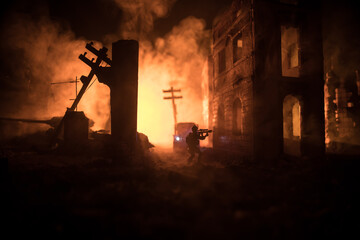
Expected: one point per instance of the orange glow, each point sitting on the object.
(176, 60)
(205, 101)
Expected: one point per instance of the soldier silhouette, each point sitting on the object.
(192, 140)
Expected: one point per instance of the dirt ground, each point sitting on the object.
(63, 195)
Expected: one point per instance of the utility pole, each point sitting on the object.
(101, 57)
(76, 91)
(173, 97)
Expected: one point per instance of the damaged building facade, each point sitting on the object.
(266, 80)
(342, 112)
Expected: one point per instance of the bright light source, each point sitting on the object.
(177, 138)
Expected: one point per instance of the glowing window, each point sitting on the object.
(296, 119)
(290, 61)
(292, 126)
(237, 47)
(291, 118)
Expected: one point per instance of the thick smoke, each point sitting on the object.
(48, 52)
(139, 16)
(176, 60)
(341, 42)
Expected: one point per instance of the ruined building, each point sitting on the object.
(266, 80)
(342, 112)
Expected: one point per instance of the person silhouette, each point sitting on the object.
(193, 143)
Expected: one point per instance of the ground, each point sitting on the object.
(58, 195)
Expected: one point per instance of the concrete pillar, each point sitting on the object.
(124, 92)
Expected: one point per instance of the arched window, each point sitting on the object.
(237, 47)
(291, 117)
(296, 119)
(237, 117)
(290, 52)
(291, 125)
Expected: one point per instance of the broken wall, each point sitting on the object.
(259, 81)
(232, 90)
(271, 85)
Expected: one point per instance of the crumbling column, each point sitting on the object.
(122, 78)
(124, 91)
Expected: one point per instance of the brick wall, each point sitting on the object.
(235, 82)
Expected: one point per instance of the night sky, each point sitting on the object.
(88, 20)
(93, 19)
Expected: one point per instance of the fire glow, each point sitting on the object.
(50, 54)
(176, 60)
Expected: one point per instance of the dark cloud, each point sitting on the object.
(204, 9)
(92, 19)
(341, 35)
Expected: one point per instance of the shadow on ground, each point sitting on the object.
(57, 195)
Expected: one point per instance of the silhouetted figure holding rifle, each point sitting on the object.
(193, 142)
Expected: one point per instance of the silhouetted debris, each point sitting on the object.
(144, 142)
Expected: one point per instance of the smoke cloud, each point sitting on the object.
(47, 52)
(139, 16)
(177, 60)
